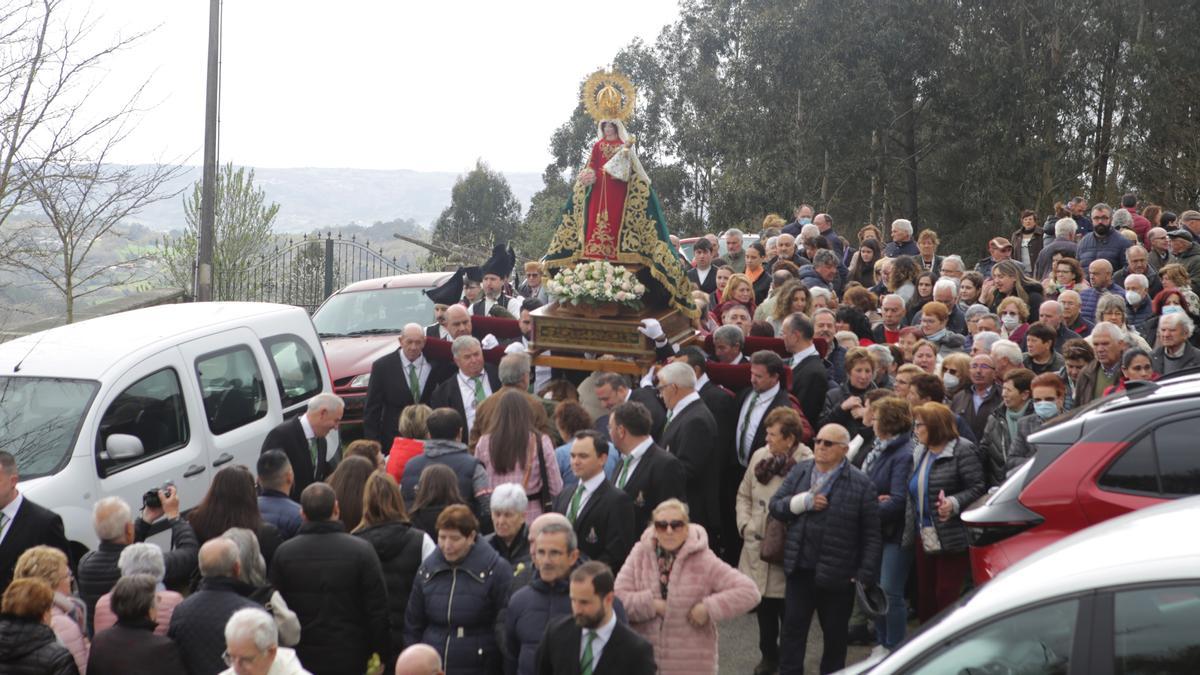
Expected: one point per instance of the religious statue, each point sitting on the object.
(613, 214)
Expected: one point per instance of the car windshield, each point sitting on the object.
(369, 312)
(39, 419)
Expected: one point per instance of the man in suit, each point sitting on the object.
(809, 380)
(718, 399)
(612, 389)
(23, 524)
(692, 436)
(495, 271)
(398, 380)
(437, 329)
(302, 439)
(593, 642)
(703, 273)
(646, 472)
(728, 343)
(601, 514)
(471, 384)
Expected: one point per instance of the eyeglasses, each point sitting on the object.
(231, 660)
(826, 443)
(663, 525)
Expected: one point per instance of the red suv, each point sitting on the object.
(1118, 454)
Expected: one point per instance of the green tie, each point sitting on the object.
(480, 394)
(573, 512)
(414, 383)
(312, 448)
(3, 521)
(670, 414)
(746, 423)
(626, 462)
(585, 662)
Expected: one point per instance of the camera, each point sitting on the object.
(150, 499)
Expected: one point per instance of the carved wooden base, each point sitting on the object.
(568, 336)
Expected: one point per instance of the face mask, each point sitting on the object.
(1010, 322)
(805, 221)
(950, 380)
(1134, 297)
(1045, 409)
(1171, 309)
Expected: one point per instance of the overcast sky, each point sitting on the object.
(371, 84)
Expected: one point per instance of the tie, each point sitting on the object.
(624, 475)
(479, 393)
(312, 449)
(3, 521)
(670, 414)
(414, 383)
(746, 427)
(585, 662)
(573, 512)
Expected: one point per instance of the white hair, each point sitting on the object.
(325, 401)
(1112, 330)
(142, 558)
(1006, 349)
(509, 497)
(885, 354)
(902, 224)
(892, 296)
(772, 241)
(729, 335)
(816, 291)
(986, 339)
(810, 231)
(947, 283)
(1178, 318)
(463, 343)
(957, 260)
(1138, 279)
(110, 516)
(1065, 227)
(255, 624)
(679, 374)
(733, 232)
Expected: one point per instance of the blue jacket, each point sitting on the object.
(1090, 297)
(454, 609)
(811, 279)
(1111, 248)
(893, 249)
(890, 472)
(279, 510)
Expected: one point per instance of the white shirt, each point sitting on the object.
(603, 634)
(541, 374)
(737, 359)
(803, 354)
(746, 432)
(589, 486)
(466, 388)
(10, 512)
(702, 274)
(701, 381)
(635, 456)
(443, 333)
(307, 427)
(514, 305)
(423, 369)
(684, 402)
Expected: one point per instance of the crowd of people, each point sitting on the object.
(811, 454)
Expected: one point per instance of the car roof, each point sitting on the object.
(414, 280)
(85, 350)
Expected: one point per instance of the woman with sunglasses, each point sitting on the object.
(675, 590)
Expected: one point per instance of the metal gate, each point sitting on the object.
(306, 271)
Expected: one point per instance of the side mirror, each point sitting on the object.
(123, 446)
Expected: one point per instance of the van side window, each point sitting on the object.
(1164, 463)
(297, 373)
(232, 387)
(150, 409)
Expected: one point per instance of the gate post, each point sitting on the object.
(328, 268)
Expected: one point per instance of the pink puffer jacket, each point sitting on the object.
(165, 602)
(698, 575)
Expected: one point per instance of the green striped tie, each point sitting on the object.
(585, 662)
(624, 475)
(414, 383)
(573, 512)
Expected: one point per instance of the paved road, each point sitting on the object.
(739, 647)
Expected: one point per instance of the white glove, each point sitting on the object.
(489, 342)
(515, 348)
(799, 503)
(652, 329)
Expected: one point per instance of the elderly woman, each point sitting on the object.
(934, 319)
(1111, 308)
(133, 645)
(27, 643)
(1065, 275)
(511, 538)
(251, 638)
(459, 592)
(925, 356)
(1014, 319)
(768, 467)
(675, 590)
(253, 573)
(847, 403)
(947, 477)
(411, 441)
(956, 373)
(68, 617)
(1049, 393)
(141, 558)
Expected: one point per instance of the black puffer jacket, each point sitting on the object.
(454, 609)
(198, 623)
(843, 541)
(957, 471)
(30, 648)
(399, 549)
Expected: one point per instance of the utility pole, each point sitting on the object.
(208, 191)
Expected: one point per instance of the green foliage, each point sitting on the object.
(482, 209)
(545, 213)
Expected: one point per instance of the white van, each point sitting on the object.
(122, 404)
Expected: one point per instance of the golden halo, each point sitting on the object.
(608, 95)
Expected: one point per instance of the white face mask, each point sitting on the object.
(1010, 322)
(1171, 309)
(950, 380)
(1134, 297)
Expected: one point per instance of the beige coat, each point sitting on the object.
(753, 499)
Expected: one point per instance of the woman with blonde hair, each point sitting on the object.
(956, 373)
(68, 616)
(739, 288)
(1014, 319)
(411, 441)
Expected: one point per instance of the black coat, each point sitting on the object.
(720, 402)
(198, 623)
(958, 472)
(843, 540)
(692, 437)
(515, 554)
(289, 437)
(399, 549)
(454, 609)
(810, 381)
(963, 405)
(334, 583)
(760, 434)
(33, 525)
(831, 411)
(388, 394)
(657, 477)
(648, 397)
(132, 648)
(604, 525)
(502, 302)
(447, 394)
(710, 282)
(625, 653)
(30, 648)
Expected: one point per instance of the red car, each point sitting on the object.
(1119, 454)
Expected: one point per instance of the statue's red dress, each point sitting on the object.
(606, 205)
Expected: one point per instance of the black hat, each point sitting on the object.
(450, 291)
(1181, 234)
(473, 273)
(502, 261)
(871, 599)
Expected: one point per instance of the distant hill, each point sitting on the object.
(327, 198)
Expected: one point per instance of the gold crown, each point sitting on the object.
(608, 95)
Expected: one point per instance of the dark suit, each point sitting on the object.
(447, 394)
(710, 282)
(810, 383)
(733, 472)
(648, 397)
(388, 394)
(32, 526)
(692, 436)
(433, 330)
(657, 477)
(604, 524)
(289, 437)
(625, 653)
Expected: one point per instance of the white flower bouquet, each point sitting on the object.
(595, 283)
